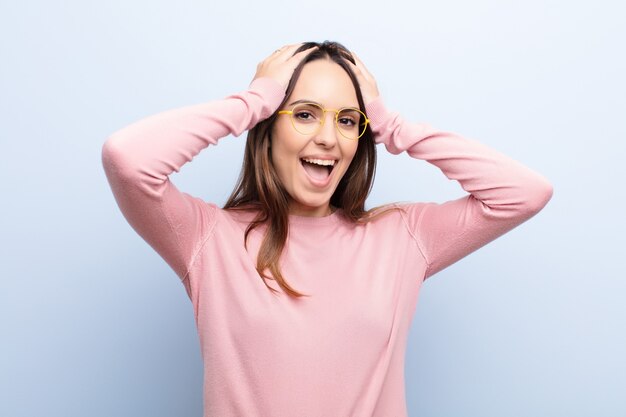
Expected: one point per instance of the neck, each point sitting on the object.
(312, 212)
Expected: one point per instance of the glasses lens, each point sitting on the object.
(307, 118)
(351, 123)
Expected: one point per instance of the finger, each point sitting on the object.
(299, 45)
(361, 66)
(358, 61)
(356, 68)
(285, 50)
(305, 51)
(279, 50)
(352, 64)
(291, 47)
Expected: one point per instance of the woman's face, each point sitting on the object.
(309, 185)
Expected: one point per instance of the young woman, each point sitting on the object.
(302, 298)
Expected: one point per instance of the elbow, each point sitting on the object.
(538, 196)
(113, 156)
(109, 153)
(112, 144)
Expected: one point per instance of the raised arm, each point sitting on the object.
(503, 193)
(139, 158)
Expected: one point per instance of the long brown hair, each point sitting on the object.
(259, 188)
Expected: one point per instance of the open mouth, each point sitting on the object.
(318, 169)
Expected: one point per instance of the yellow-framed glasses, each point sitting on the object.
(308, 119)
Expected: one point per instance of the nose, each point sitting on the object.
(327, 135)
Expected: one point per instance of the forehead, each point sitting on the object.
(325, 82)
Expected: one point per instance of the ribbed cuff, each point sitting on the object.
(377, 113)
(269, 89)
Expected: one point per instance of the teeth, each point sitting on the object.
(324, 162)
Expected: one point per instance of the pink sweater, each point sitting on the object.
(341, 351)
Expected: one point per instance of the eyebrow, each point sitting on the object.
(304, 100)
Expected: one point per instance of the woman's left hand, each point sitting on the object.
(369, 89)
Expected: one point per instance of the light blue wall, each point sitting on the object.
(94, 323)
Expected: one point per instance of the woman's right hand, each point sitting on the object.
(281, 63)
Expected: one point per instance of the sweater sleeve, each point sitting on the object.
(138, 159)
(503, 193)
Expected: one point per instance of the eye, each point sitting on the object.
(307, 113)
(304, 115)
(348, 118)
(347, 121)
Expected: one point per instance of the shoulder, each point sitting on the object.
(408, 214)
(397, 210)
(241, 216)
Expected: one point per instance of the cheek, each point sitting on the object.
(350, 150)
(285, 145)
(282, 153)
